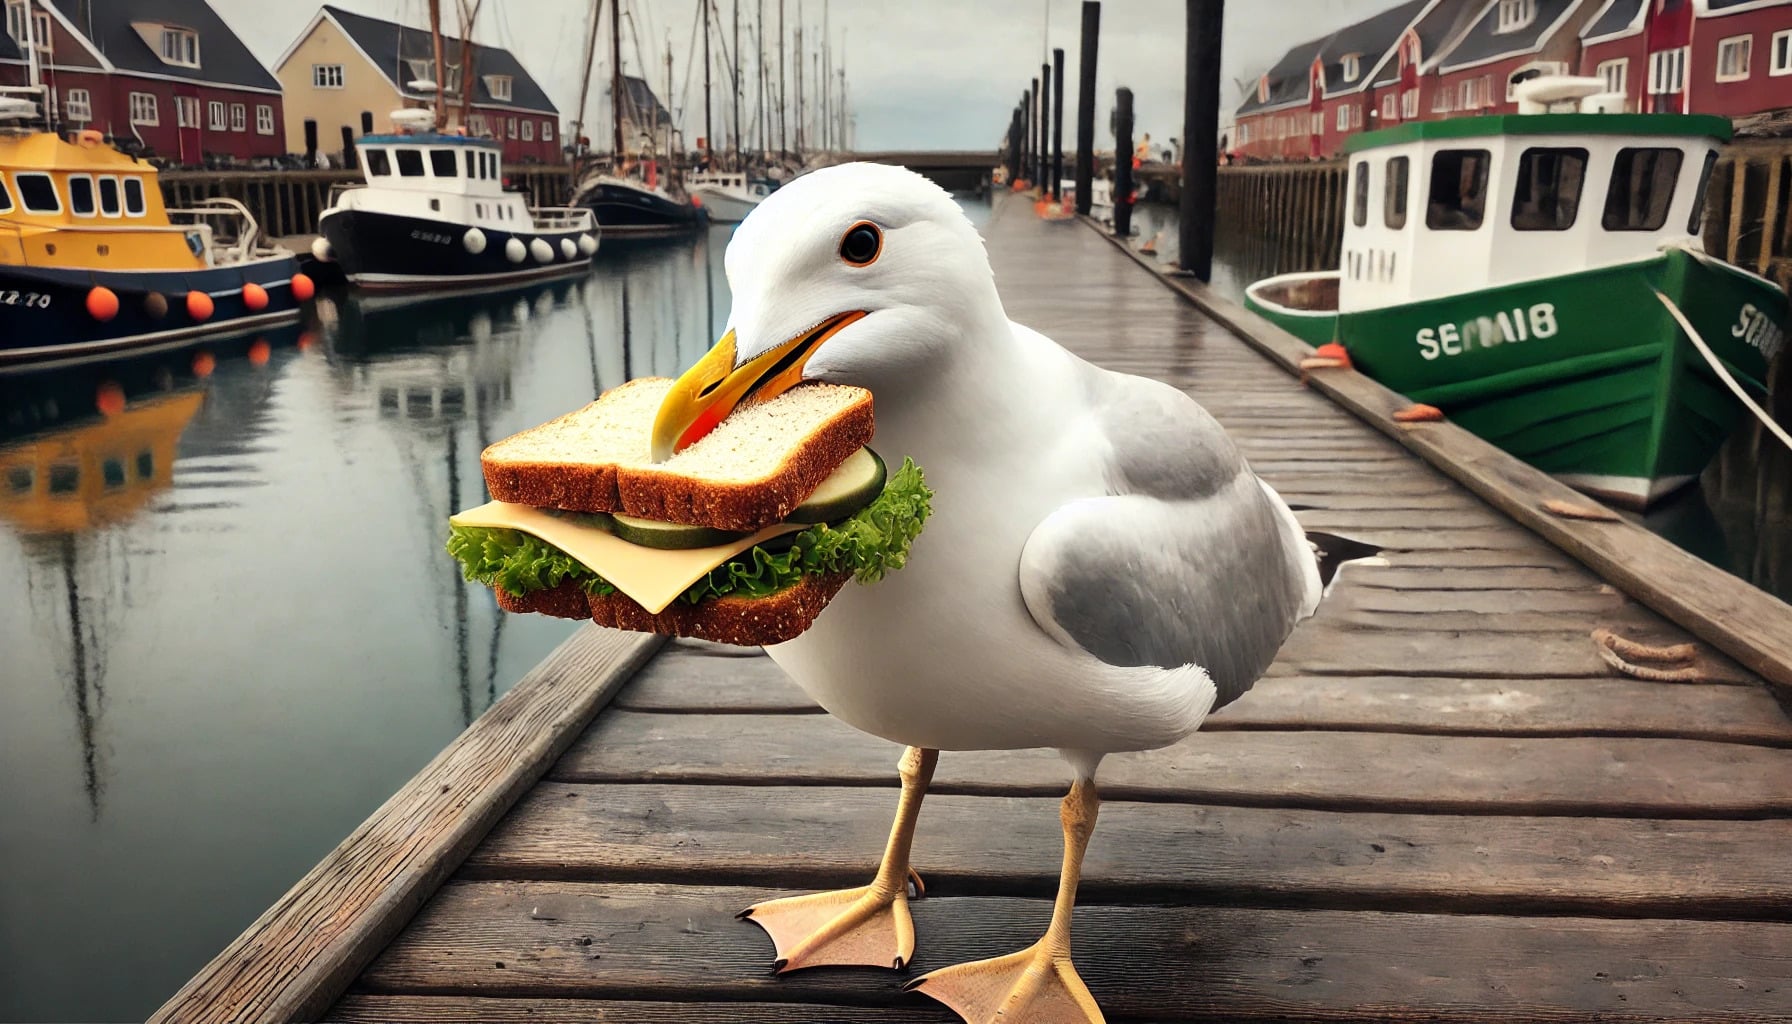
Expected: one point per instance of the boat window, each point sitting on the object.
(1549, 186)
(112, 471)
(378, 164)
(109, 196)
(5, 197)
(1393, 203)
(65, 479)
(442, 163)
(410, 162)
(1696, 223)
(38, 193)
(146, 465)
(473, 164)
(133, 196)
(1359, 203)
(80, 195)
(491, 166)
(1642, 189)
(1458, 200)
(19, 479)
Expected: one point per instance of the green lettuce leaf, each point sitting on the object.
(869, 544)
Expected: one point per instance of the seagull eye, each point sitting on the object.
(861, 244)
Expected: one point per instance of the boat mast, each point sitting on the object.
(671, 154)
(616, 86)
(734, 75)
(435, 35)
(783, 137)
(759, 59)
(827, 81)
(467, 17)
(709, 135)
(799, 79)
(578, 134)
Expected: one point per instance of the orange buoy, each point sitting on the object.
(203, 364)
(110, 398)
(102, 303)
(697, 201)
(199, 306)
(1419, 414)
(155, 305)
(255, 297)
(259, 350)
(303, 288)
(1333, 350)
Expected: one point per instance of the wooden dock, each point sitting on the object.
(1441, 805)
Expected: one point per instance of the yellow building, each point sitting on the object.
(334, 85)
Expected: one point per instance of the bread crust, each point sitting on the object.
(654, 493)
(755, 504)
(742, 621)
(566, 601)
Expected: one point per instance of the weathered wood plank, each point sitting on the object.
(370, 1008)
(1619, 777)
(1150, 853)
(1750, 625)
(297, 958)
(621, 941)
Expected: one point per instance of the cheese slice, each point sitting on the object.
(652, 577)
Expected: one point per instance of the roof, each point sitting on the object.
(1370, 39)
(1617, 17)
(389, 45)
(1679, 125)
(1288, 78)
(1435, 28)
(1726, 6)
(1483, 43)
(223, 59)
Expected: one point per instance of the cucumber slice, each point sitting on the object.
(649, 533)
(857, 483)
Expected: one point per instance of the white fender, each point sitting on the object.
(568, 248)
(474, 240)
(320, 248)
(541, 250)
(587, 244)
(515, 250)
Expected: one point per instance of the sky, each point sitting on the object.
(920, 74)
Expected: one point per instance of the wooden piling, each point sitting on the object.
(1123, 179)
(1057, 123)
(1085, 106)
(1200, 134)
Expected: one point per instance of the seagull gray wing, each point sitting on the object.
(1187, 559)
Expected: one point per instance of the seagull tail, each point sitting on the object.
(1333, 551)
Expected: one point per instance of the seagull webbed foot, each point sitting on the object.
(1033, 985)
(866, 927)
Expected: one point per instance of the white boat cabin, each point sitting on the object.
(1439, 208)
(438, 177)
(729, 181)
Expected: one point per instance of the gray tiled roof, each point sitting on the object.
(390, 45)
(1436, 28)
(1614, 19)
(1484, 42)
(223, 59)
(1288, 78)
(1369, 39)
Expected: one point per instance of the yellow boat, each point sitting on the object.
(91, 261)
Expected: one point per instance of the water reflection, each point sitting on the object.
(239, 633)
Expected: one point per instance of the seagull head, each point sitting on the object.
(860, 274)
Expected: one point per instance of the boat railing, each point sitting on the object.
(230, 232)
(561, 218)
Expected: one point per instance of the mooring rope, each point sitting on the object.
(1617, 652)
(1723, 372)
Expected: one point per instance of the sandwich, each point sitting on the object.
(741, 536)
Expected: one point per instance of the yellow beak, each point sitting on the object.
(711, 389)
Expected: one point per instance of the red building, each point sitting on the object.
(1464, 57)
(168, 74)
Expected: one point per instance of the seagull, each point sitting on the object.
(1101, 571)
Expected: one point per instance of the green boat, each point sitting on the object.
(1539, 278)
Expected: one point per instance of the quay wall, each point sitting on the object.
(289, 202)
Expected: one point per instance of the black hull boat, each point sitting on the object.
(391, 252)
(629, 209)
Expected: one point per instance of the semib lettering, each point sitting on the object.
(1488, 331)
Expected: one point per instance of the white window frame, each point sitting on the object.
(1390, 107)
(180, 46)
(99, 195)
(1409, 104)
(547, 131)
(144, 109)
(500, 86)
(93, 190)
(1344, 118)
(183, 104)
(1317, 126)
(264, 119)
(239, 117)
(15, 25)
(510, 127)
(16, 176)
(214, 116)
(1353, 67)
(1780, 54)
(1515, 15)
(1616, 73)
(77, 105)
(1741, 50)
(528, 130)
(327, 76)
(476, 125)
(124, 195)
(1668, 68)
(5, 195)
(1442, 100)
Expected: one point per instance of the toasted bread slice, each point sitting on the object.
(749, 472)
(742, 621)
(566, 601)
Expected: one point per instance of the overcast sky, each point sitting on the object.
(921, 74)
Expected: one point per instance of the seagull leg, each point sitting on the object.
(868, 926)
(1037, 984)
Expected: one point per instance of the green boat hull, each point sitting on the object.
(1587, 376)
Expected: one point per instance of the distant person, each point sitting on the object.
(1142, 151)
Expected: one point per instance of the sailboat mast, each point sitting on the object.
(799, 78)
(827, 81)
(597, 7)
(435, 35)
(783, 136)
(759, 59)
(671, 154)
(467, 18)
(734, 76)
(616, 86)
(709, 135)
